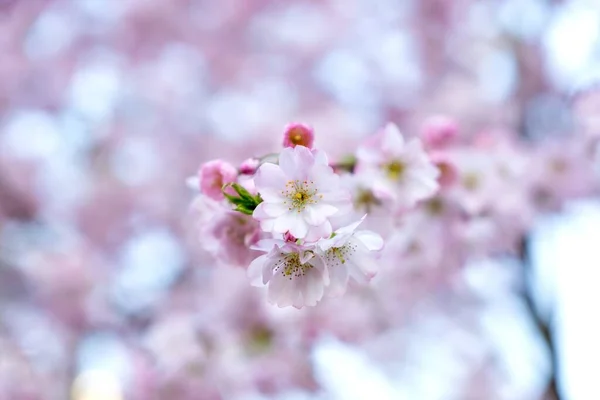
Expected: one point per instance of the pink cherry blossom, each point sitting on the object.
(226, 234)
(300, 194)
(294, 274)
(448, 171)
(249, 166)
(439, 132)
(348, 254)
(213, 175)
(298, 135)
(406, 172)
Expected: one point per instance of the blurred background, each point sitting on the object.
(108, 106)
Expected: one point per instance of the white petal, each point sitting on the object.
(255, 271)
(291, 221)
(267, 224)
(296, 162)
(287, 163)
(280, 290)
(362, 267)
(348, 229)
(267, 244)
(269, 175)
(336, 198)
(319, 265)
(313, 288)
(371, 240)
(320, 157)
(369, 156)
(275, 209)
(305, 158)
(269, 268)
(324, 178)
(317, 214)
(272, 195)
(338, 281)
(315, 233)
(325, 244)
(393, 141)
(300, 229)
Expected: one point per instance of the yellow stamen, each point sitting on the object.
(395, 169)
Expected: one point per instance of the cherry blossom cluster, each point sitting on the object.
(108, 106)
(300, 210)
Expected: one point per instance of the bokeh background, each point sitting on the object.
(108, 106)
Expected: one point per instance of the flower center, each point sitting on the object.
(395, 169)
(471, 181)
(339, 255)
(291, 267)
(435, 206)
(365, 198)
(300, 194)
(296, 136)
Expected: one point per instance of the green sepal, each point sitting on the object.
(246, 202)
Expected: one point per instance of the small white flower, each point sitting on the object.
(349, 254)
(406, 173)
(294, 274)
(299, 195)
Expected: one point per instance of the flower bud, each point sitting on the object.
(298, 135)
(249, 166)
(439, 132)
(213, 175)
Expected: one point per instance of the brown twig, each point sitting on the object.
(544, 327)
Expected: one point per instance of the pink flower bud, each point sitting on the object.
(249, 166)
(448, 171)
(298, 135)
(439, 132)
(213, 175)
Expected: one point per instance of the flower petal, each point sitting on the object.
(275, 209)
(269, 175)
(392, 141)
(291, 221)
(338, 281)
(255, 271)
(371, 240)
(315, 233)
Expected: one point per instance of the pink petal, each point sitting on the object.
(269, 175)
(288, 163)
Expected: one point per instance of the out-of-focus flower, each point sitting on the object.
(348, 254)
(407, 174)
(213, 175)
(298, 135)
(226, 234)
(439, 132)
(448, 171)
(175, 344)
(300, 194)
(294, 274)
(249, 166)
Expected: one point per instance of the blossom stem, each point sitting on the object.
(545, 327)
